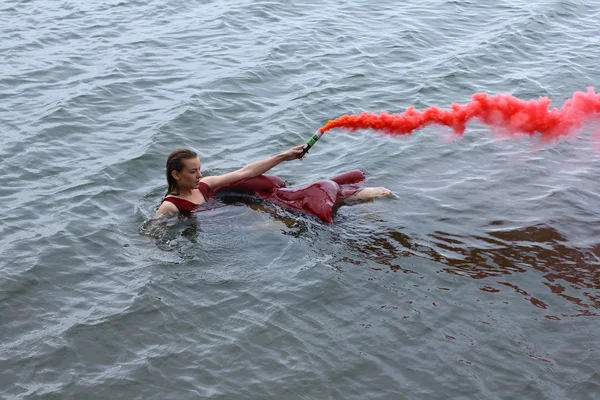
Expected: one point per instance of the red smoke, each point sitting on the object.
(503, 111)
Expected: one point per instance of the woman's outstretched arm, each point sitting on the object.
(254, 169)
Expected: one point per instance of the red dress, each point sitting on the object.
(186, 206)
(319, 198)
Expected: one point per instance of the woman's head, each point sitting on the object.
(183, 170)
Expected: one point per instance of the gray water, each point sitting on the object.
(479, 280)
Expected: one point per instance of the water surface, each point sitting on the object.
(480, 280)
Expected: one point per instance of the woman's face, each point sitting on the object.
(190, 175)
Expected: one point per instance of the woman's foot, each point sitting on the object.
(370, 193)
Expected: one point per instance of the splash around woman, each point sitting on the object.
(188, 189)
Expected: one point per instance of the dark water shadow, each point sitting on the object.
(569, 272)
(497, 251)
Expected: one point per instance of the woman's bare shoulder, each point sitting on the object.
(166, 208)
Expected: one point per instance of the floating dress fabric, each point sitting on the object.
(320, 198)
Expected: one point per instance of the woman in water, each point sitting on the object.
(188, 189)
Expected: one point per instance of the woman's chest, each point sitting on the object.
(196, 197)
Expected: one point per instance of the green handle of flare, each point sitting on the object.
(311, 142)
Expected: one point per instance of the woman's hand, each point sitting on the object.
(293, 153)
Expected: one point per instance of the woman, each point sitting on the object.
(188, 189)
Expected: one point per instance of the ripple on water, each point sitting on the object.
(479, 279)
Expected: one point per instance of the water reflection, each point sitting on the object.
(297, 224)
(225, 228)
(569, 272)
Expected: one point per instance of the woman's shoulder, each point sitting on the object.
(167, 207)
(182, 205)
(176, 199)
(205, 190)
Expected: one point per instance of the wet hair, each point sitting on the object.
(175, 163)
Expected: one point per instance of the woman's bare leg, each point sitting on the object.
(369, 193)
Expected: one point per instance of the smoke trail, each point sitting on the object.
(503, 111)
